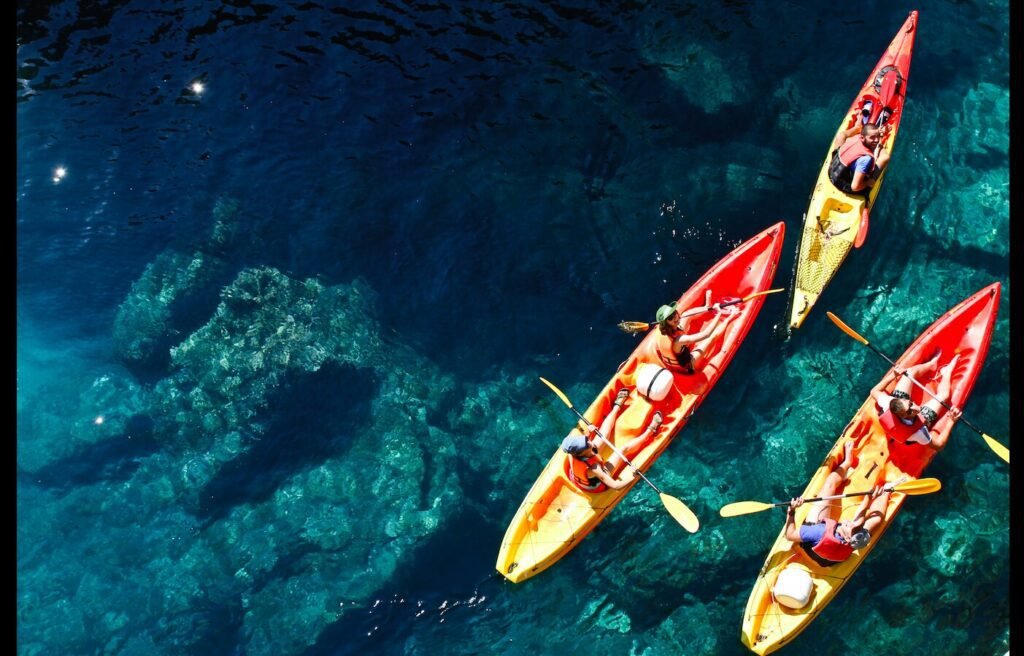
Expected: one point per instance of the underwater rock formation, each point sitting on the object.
(703, 76)
(340, 519)
(104, 415)
(142, 324)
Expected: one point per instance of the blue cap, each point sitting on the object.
(574, 443)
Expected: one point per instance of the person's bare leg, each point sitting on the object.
(608, 425)
(876, 512)
(699, 352)
(945, 386)
(832, 484)
(636, 444)
(925, 367)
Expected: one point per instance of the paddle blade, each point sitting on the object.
(843, 327)
(919, 486)
(680, 512)
(565, 399)
(633, 327)
(744, 508)
(862, 231)
(1000, 450)
(890, 84)
(764, 293)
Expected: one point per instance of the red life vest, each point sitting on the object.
(896, 429)
(830, 548)
(853, 150)
(840, 171)
(579, 471)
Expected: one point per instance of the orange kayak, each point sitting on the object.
(556, 514)
(964, 331)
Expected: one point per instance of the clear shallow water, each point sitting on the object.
(448, 201)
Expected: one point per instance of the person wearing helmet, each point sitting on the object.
(823, 537)
(682, 351)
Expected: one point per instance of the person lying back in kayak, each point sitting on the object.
(826, 539)
(684, 352)
(857, 159)
(586, 467)
(905, 421)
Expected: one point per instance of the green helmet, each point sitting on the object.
(665, 311)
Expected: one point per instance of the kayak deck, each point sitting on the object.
(556, 514)
(965, 330)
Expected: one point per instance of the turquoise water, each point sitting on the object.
(279, 338)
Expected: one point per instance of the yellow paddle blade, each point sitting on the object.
(743, 508)
(633, 327)
(765, 292)
(680, 512)
(1000, 450)
(920, 486)
(565, 399)
(846, 329)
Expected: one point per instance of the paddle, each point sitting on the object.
(634, 327)
(674, 506)
(890, 85)
(999, 449)
(862, 229)
(919, 486)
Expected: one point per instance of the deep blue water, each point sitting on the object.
(406, 213)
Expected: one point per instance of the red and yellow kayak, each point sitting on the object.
(965, 330)
(557, 514)
(836, 221)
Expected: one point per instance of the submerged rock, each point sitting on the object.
(143, 321)
(62, 431)
(701, 74)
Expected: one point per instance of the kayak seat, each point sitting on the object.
(836, 212)
(543, 505)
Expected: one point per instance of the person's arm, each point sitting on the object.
(858, 519)
(696, 337)
(876, 516)
(613, 483)
(938, 432)
(792, 532)
(881, 159)
(906, 385)
(700, 309)
(862, 173)
(846, 134)
(878, 392)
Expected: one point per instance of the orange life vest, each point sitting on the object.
(663, 348)
(579, 471)
(830, 548)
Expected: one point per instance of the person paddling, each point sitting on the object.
(826, 539)
(857, 159)
(686, 352)
(592, 473)
(905, 421)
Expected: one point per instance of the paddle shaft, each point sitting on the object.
(632, 326)
(614, 448)
(692, 313)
